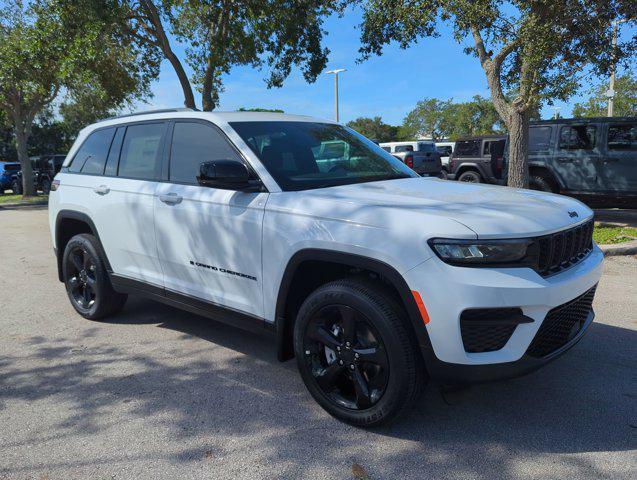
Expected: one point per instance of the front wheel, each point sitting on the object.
(86, 279)
(470, 176)
(356, 353)
(16, 186)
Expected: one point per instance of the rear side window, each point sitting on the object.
(622, 137)
(578, 137)
(426, 147)
(467, 148)
(140, 157)
(91, 156)
(539, 139)
(194, 143)
(11, 168)
(387, 149)
(403, 148)
(445, 150)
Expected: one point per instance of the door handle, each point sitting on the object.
(171, 198)
(102, 190)
(565, 160)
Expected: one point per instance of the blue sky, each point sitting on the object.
(389, 85)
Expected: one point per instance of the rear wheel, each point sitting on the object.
(16, 186)
(87, 283)
(542, 182)
(470, 176)
(355, 352)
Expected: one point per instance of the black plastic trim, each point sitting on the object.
(191, 304)
(388, 272)
(75, 215)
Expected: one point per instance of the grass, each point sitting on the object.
(18, 199)
(611, 235)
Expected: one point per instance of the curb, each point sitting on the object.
(13, 206)
(628, 248)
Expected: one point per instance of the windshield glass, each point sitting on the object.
(305, 155)
(12, 167)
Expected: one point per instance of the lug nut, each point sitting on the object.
(340, 362)
(356, 356)
(347, 344)
(352, 367)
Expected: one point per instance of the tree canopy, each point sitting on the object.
(534, 50)
(597, 104)
(374, 129)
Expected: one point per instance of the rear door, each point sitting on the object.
(208, 239)
(618, 169)
(577, 156)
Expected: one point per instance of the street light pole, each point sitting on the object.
(336, 72)
(611, 86)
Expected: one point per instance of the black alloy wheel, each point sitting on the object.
(346, 356)
(82, 281)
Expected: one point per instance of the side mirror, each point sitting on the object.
(227, 174)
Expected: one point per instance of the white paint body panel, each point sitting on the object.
(390, 221)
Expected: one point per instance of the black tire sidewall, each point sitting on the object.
(394, 396)
(470, 174)
(87, 243)
(540, 183)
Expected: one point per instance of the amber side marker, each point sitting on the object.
(421, 307)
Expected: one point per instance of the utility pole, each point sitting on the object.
(336, 72)
(611, 88)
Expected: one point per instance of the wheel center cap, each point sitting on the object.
(83, 276)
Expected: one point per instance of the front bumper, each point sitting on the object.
(447, 291)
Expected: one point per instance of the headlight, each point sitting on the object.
(483, 252)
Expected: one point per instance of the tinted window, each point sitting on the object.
(467, 148)
(91, 156)
(194, 143)
(302, 155)
(426, 147)
(140, 156)
(403, 148)
(578, 137)
(493, 147)
(12, 168)
(622, 137)
(539, 139)
(113, 153)
(387, 149)
(444, 151)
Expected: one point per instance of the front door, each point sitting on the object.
(577, 157)
(208, 239)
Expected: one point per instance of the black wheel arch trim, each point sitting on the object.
(82, 217)
(389, 273)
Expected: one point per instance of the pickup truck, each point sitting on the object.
(421, 156)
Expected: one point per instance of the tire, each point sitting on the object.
(543, 183)
(86, 279)
(46, 187)
(16, 186)
(443, 174)
(470, 176)
(379, 374)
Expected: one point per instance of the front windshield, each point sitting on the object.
(305, 155)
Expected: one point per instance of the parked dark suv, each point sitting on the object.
(8, 172)
(478, 159)
(594, 159)
(44, 169)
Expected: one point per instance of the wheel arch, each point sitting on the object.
(544, 170)
(292, 291)
(69, 223)
(465, 167)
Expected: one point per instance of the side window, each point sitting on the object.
(539, 139)
(622, 137)
(578, 137)
(403, 148)
(91, 156)
(192, 144)
(486, 148)
(387, 149)
(141, 151)
(467, 148)
(113, 154)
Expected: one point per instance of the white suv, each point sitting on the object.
(374, 278)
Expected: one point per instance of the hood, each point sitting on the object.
(489, 211)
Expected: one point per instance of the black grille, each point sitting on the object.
(562, 249)
(561, 325)
(487, 330)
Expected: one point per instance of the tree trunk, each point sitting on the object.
(22, 139)
(518, 126)
(208, 97)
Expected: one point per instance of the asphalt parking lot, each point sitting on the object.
(159, 393)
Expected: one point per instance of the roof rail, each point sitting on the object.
(148, 112)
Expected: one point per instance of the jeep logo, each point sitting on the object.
(573, 214)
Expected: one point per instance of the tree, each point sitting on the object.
(374, 129)
(597, 103)
(536, 50)
(430, 118)
(50, 46)
(222, 34)
(273, 110)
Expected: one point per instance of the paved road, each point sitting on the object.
(159, 394)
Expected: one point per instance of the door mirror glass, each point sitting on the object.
(228, 174)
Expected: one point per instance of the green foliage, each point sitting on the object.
(221, 34)
(597, 104)
(374, 129)
(273, 110)
(439, 119)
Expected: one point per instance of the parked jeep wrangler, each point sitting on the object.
(45, 167)
(304, 229)
(478, 160)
